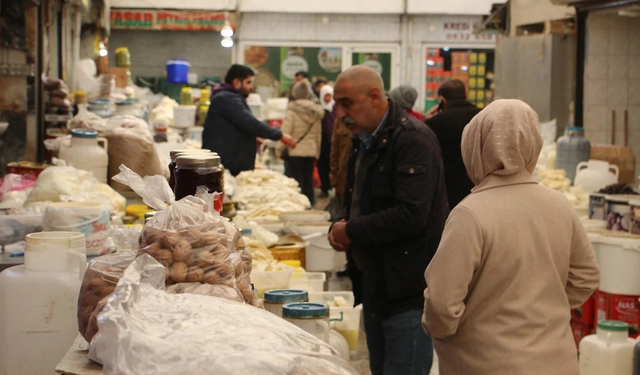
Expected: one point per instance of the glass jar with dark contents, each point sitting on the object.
(193, 171)
(173, 154)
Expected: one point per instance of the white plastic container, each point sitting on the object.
(319, 255)
(89, 218)
(619, 260)
(38, 320)
(609, 351)
(194, 134)
(309, 281)
(596, 174)
(184, 116)
(310, 317)
(345, 320)
(274, 300)
(271, 280)
(85, 153)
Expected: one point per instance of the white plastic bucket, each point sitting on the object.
(184, 116)
(619, 260)
(89, 218)
(309, 281)
(319, 255)
(269, 280)
(194, 133)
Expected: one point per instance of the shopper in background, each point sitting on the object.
(304, 122)
(324, 163)
(448, 123)
(317, 86)
(339, 158)
(231, 129)
(395, 211)
(405, 96)
(299, 76)
(513, 260)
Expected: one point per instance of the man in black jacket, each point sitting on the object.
(396, 207)
(231, 129)
(448, 125)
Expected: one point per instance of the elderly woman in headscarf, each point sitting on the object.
(513, 260)
(324, 162)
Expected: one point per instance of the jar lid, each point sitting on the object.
(198, 160)
(174, 153)
(47, 240)
(186, 89)
(84, 133)
(613, 325)
(122, 50)
(575, 128)
(286, 296)
(305, 310)
(80, 92)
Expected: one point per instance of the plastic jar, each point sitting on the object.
(310, 317)
(274, 300)
(573, 148)
(609, 351)
(173, 154)
(38, 313)
(193, 171)
(123, 57)
(186, 96)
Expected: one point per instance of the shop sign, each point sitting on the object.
(465, 32)
(151, 19)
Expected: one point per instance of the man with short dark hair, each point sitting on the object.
(231, 129)
(395, 210)
(448, 120)
(300, 75)
(317, 86)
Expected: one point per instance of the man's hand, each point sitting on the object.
(432, 112)
(338, 237)
(288, 141)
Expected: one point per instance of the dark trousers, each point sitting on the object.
(397, 345)
(301, 170)
(324, 165)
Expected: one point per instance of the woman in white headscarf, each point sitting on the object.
(324, 162)
(513, 260)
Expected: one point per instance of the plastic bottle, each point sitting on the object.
(85, 153)
(203, 106)
(572, 149)
(609, 351)
(38, 313)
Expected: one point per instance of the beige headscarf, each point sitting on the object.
(503, 139)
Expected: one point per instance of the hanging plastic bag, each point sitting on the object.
(190, 334)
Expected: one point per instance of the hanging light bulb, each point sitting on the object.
(226, 31)
(227, 42)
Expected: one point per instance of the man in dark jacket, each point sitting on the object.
(231, 129)
(395, 211)
(448, 125)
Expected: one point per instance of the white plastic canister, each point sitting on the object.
(619, 260)
(88, 218)
(609, 351)
(319, 255)
(38, 320)
(85, 153)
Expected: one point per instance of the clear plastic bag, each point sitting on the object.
(191, 334)
(192, 243)
(98, 284)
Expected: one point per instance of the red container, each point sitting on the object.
(580, 330)
(26, 168)
(621, 308)
(585, 314)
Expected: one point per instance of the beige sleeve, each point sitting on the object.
(286, 128)
(450, 273)
(584, 272)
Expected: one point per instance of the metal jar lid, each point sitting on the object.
(305, 310)
(173, 154)
(197, 160)
(284, 296)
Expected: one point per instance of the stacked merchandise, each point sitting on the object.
(477, 71)
(460, 67)
(436, 75)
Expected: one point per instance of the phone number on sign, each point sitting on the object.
(463, 36)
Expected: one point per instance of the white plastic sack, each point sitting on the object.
(143, 330)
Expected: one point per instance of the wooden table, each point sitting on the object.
(76, 361)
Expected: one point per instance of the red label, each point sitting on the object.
(621, 308)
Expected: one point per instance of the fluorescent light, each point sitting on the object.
(227, 42)
(430, 63)
(446, 49)
(464, 67)
(226, 31)
(103, 52)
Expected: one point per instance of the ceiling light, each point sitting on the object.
(227, 42)
(226, 31)
(430, 63)
(446, 49)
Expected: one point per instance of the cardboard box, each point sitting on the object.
(482, 58)
(580, 331)
(472, 95)
(480, 83)
(482, 70)
(473, 58)
(480, 95)
(621, 308)
(585, 314)
(473, 70)
(473, 83)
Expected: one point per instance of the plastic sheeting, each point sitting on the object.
(143, 330)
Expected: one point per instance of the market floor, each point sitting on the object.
(360, 357)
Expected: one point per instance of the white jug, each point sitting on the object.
(596, 174)
(38, 312)
(85, 153)
(609, 351)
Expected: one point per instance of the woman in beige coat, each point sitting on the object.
(513, 260)
(304, 122)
